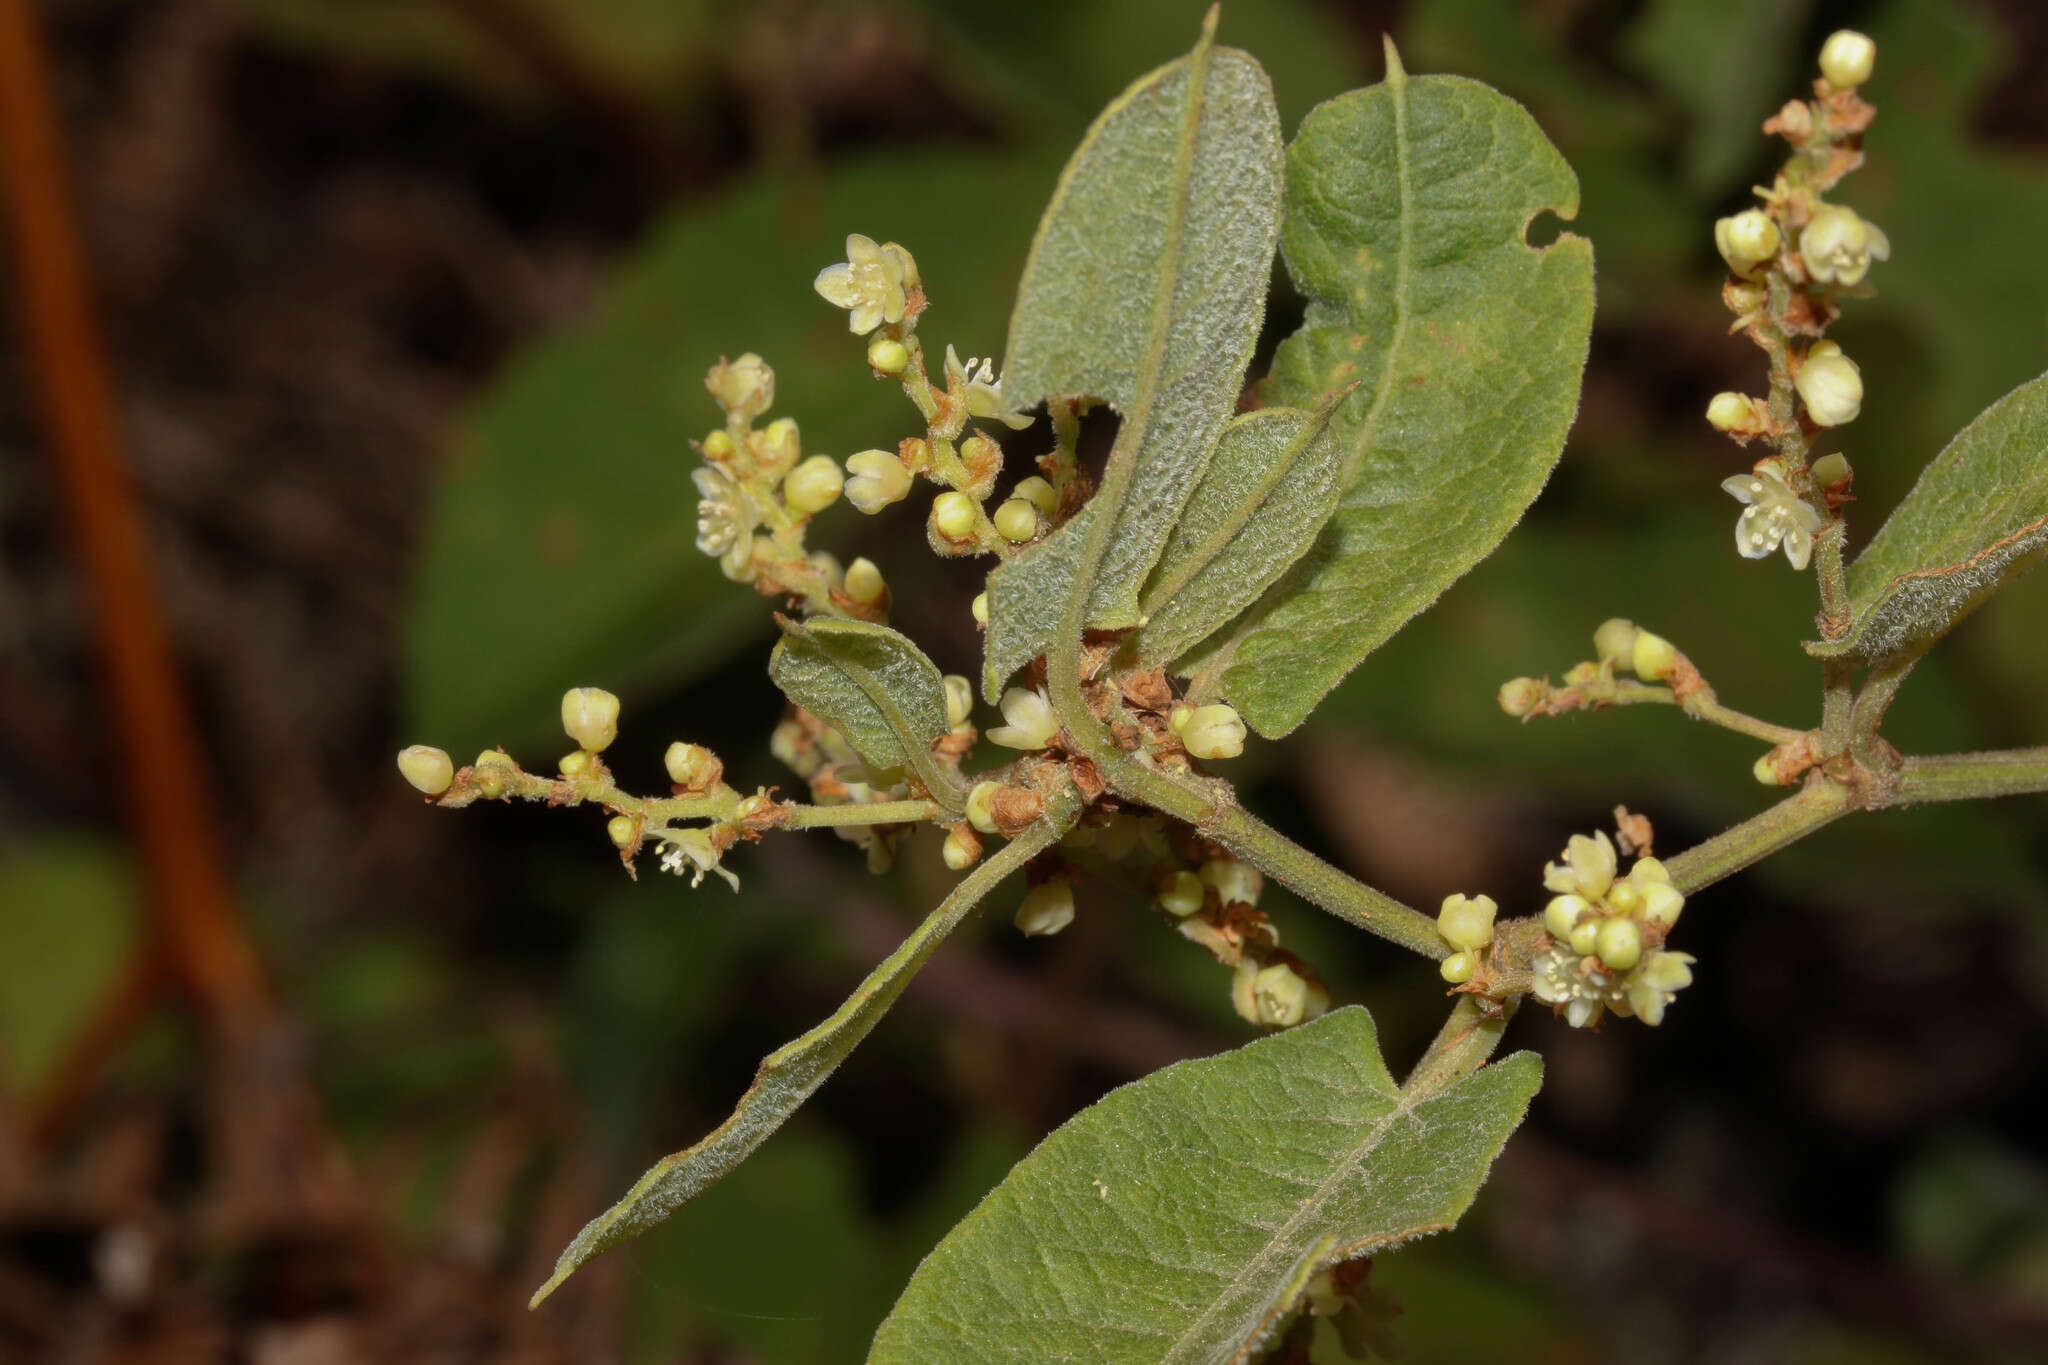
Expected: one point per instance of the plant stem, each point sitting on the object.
(1461, 1047)
(872, 813)
(1967, 777)
(1727, 853)
(1216, 814)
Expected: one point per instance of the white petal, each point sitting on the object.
(1798, 546)
(1745, 488)
(835, 283)
(865, 317)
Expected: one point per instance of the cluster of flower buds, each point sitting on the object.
(1606, 936)
(1619, 646)
(1216, 905)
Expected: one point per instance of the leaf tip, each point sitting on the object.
(562, 1272)
(1397, 74)
(1210, 20)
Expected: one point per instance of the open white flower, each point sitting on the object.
(726, 518)
(869, 283)
(691, 851)
(984, 389)
(1032, 723)
(1838, 244)
(1775, 515)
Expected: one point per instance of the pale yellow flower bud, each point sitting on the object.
(1847, 58)
(1181, 895)
(1466, 921)
(864, 582)
(979, 608)
(1615, 642)
(427, 768)
(1746, 240)
(875, 479)
(980, 806)
(1047, 908)
(590, 715)
(1620, 944)
(1561, 916)
(1652, 656)
(745, 388)
(959, 699)
(1038, 493)
(691, 766)
(1236, 883)
(1520, 696)
(888, 356)
(619, 829)
(1830, 385)
(1731, 412)
(962, 848)
(1031, 723)
(954, 516)
(1838, 245)
(1212, 732)
(813, 485)
(1457, 968)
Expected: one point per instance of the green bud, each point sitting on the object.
(1466, 921)
(813, 485)
(1652, 656)
(1620, 944)
(427, 768)
(954, 515)
(1038, 493)
(1584, 935)
(1457, 968)
(575, 763)
(776, 449)
(1623, 898)
(1832, 471)
(887, 355)
(717, 446)
(1562, 914)
(979, 608)
(1765, 770)
(1016, 521)
(620, 829)
(1181, 894)
(494, 770)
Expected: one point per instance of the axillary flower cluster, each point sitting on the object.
(1790, 263)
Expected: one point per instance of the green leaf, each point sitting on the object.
(562, 534)
(1977, 519)
(1176, 1219)
(1406, 208)
(793, 1072)
(1145, 288)
(1271, 485)
(876, 688)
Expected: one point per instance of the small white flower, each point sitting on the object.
(1235, 883)
(1658, 984)
(726, 518)
(1588, 867)
(691, 850)
(1830, 384)
(1211, 732)
(1032, 723)
(1775, 515)
(1746, 240)
(869, 283)
(1838, 245)
(984, 389)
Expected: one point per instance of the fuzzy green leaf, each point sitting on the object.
(1407, 205)
(1977, 519)
(875, 687)
(793, 1072)
(1271, 485)
(1178, 1218)
(1145, 288)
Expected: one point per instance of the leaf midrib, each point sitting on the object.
(1404, 1105)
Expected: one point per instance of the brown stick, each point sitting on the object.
(163, 773)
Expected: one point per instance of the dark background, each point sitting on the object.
(406, 304)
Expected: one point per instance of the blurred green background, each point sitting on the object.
(409, 301)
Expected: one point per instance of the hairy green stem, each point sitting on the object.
(1970, 777)
(1217, 815)
(1461, 1046)
(1727, 853)
(871, 813)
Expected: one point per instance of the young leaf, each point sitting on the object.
(876, 688)
(1178, 1218)
(1977, 519)
(1271, 485)
(1407, 205)
(792, 1073)
(1145, 288)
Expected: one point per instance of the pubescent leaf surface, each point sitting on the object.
(1270, 486)
(1178, 1218)
(876, 688)
(793, 1072)
(1406, 209)
(1977, 519)
(1145, 288)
